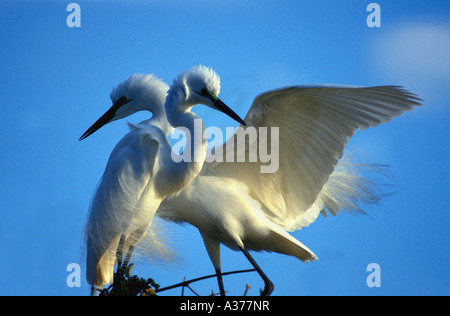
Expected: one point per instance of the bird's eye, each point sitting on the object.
(207, 94)
(122, 101)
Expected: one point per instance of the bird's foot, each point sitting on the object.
(268, 288)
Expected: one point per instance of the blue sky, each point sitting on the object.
(55, 82)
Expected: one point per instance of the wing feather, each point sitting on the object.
(315, 124)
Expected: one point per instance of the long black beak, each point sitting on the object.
(105, 118)
(225, 109)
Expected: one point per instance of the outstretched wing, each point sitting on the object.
(315, 123)
(117, 206)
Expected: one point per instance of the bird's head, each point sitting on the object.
(138, 92)
(199, 85)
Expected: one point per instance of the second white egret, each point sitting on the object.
(234, 204)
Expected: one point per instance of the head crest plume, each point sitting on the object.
(139, 85)
(199, 76)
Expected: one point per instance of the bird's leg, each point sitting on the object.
(119, 253)
(128, 256)
(220, 281)
(268, 285)
(118, 284)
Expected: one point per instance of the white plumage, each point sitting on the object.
(315, 123)
(237, 205)
(140, 172)
(124, 200)
(125, 196)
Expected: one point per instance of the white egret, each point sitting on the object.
(236, 205)
(140, 171)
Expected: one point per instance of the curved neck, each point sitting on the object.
(181, 169)
(159, 119)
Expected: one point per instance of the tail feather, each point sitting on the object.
(100, 266)
(280, 241)
(348, 188)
